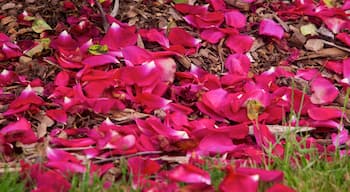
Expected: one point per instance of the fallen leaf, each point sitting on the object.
(314, 44)
(40, 25)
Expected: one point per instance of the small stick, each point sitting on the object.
(128, 156)
(103, 15)
(115, 9)
(337, 46)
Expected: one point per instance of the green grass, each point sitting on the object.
(310, 172)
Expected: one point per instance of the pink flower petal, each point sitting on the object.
(346, 71)
(239, 43)
(51, 180)
(178, 36)
(237, 64)
(62, 79)
(340, 138)
(151, 101)
(235, 19)
(324, 113)
(7, 77)
(334, 66)
(205, 20)
(27, 97)
(134, 55)
(270, 28)
(239, 182)
(119, 36)
(212, 35)
(64, 41)
(324, 91)
(153, 35)
(334, 24)
(344, 37)
(185, 8)
(218, 5)
(79, 142)
(279, 188)
(11, 50)
(308, 74)
(58, 115)
(218, 143)
(19, 131)
(264, 175)
(189, 174)
(99, 60)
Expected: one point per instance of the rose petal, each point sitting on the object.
(270, 28)
(212, 35)
(189, 174)
(239, 43)
(264, 175)
(324, 91)
(19, 131)
(119, 36)
(324, 113)
(278, 187)
(218, 143)
(178, 36)
(235, 19)
(238, 182)
(58, 115)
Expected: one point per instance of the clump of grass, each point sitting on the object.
(11, 182)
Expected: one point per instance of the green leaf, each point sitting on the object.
(180, 1)
(39, 25)
(36, 50)
(98, 49)
(308, 29)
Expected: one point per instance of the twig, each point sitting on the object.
(221, 57)
(103, 15)
(128, 156)
(115, 9)
(337, 46)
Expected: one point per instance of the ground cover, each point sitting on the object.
(174, 95)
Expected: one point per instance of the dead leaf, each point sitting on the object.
(308, 29)
(40, 25)
(314, 44)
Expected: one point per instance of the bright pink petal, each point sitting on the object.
(152, 101)
(239, 182)
(19, 131)
(218, 5)
(51, 181)
(7, 77)
(324, 113)
(264, 175)
(189, 174)
(134, 55)
(239, 43)
(62, 79)
(334, 24)
(119, 36)
(238, 64)
(323, 91)
(143, 166)
(346, 71)
(79, 142)
(218, 143)
(270, 28)
(27, 97)
(334, 66)
(11, 50)
(168, 68)
(279, 188)
(178, 36)
(344, 37)
(99, 60)
(58, 115)
(212, 35)
(340, 138)
(64, 41)
(235, 19)
(185, 8)
(308, 74)
(153, 35)
(205, 20)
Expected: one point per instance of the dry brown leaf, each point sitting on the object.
(314, 44)
(174, 159)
